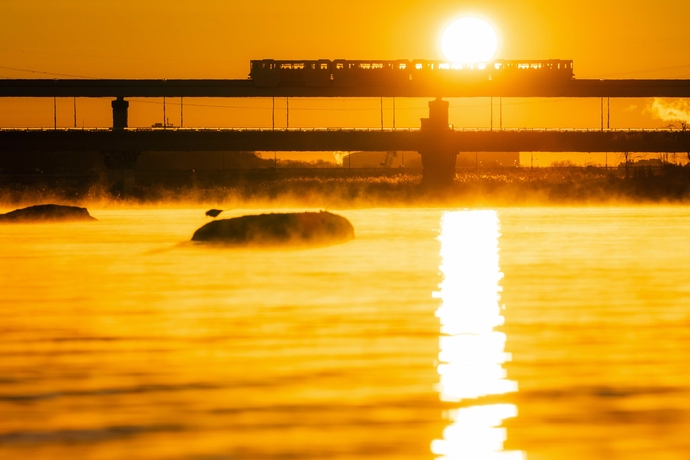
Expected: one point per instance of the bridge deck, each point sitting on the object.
(245, 88)
(71, 140)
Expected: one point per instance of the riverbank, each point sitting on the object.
(495, 187)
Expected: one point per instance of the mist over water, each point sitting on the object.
(122, 339)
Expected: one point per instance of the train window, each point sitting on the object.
(481, 66)
(324, 66)
(298, 65)
(286, 65)
(402, 66)
(364, 65)
(536, 65)
(418, 66)
(377, 65)
(444, 66)
(313, 66)
(523, 66)
(339, 65)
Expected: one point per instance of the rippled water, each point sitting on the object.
(539, 333)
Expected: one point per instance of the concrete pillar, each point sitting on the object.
(438, 115)
(120, 107)
(120, 164)
(438, 153)
(121, 171)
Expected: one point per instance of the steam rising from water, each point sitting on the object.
(340, 156)
(671, 111)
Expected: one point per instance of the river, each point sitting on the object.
(510, 333)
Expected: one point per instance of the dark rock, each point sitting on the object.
(46, 212)
(304, 228)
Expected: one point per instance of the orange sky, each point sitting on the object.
(217, 38)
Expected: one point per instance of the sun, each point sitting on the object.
(469, 40)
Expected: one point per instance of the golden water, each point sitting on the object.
(538, 333)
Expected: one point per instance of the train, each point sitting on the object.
(343, 72)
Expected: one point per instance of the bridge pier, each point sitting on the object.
(121, 171)
(438, 154)
(120, 107)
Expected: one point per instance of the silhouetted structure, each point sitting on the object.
(214, 212)
(438, 153)
(437, 143)
(404, 73)
(120, 107)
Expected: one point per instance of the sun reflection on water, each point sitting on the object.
(471, 352)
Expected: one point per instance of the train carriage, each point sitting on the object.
(348, 73)
(375, 73)
(318, 73)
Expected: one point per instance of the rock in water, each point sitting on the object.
(46, 212)
(302, 228)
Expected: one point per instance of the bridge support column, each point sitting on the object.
(120, 107)
(121, 171)
(438, 153)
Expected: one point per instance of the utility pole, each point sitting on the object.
(626, 164)
(381, 113)
(394, 114)
(608, 107)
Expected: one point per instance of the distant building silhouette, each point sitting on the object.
(413, 160)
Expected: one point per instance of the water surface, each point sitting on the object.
(539, 333)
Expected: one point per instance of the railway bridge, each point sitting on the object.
(436, 141)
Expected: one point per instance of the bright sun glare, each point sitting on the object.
(469, 40)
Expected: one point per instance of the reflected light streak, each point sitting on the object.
(471, 352)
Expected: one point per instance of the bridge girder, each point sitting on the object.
(575, 88)
(70, 140)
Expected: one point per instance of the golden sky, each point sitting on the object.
(217, 38)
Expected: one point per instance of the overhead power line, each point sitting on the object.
(45, 73)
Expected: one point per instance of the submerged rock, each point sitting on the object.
(303, 228)
(45, 213)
